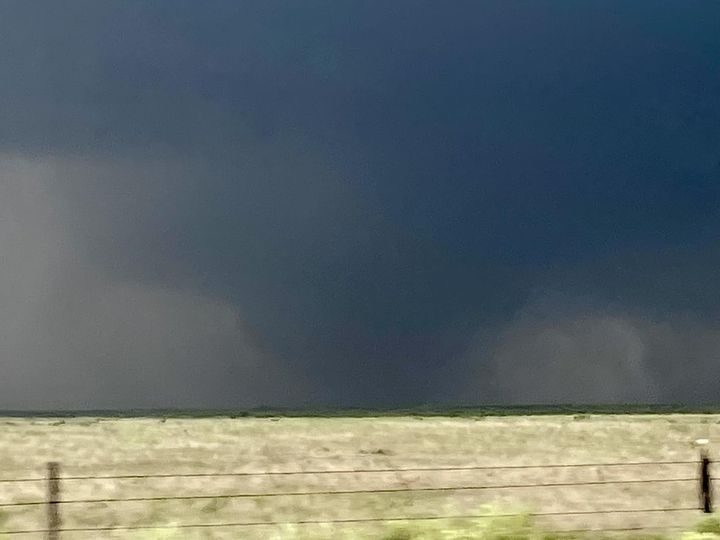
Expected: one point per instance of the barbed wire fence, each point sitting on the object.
(55, 504)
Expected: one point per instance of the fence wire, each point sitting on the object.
(350, 471)
(351, 521)
(367, 520)
(262, 495)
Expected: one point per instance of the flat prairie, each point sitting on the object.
(99, 447)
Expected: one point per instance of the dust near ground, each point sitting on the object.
(102, 446)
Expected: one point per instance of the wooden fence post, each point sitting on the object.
(705, 484)
(53, 498)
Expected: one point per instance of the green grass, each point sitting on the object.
(520, 527)
(710, 525)
(426, 410)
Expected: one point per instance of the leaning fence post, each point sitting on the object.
(705, 483)
(53, 499)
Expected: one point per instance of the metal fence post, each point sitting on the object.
(705, 484)
(53, 498)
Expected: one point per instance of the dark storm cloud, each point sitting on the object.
(362, 200)
(75, 334)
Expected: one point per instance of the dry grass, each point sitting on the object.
(89, 446)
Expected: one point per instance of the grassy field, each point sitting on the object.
(87, 446)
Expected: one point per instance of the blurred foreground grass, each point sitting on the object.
(502, 527)
(87, 446)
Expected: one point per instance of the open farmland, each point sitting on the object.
(157, 446)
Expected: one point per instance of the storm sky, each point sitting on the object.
(234, 204)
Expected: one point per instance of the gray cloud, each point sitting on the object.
(585, 358)
(74, 335)
(564, 349)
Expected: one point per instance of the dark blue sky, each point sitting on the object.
(399, 201)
